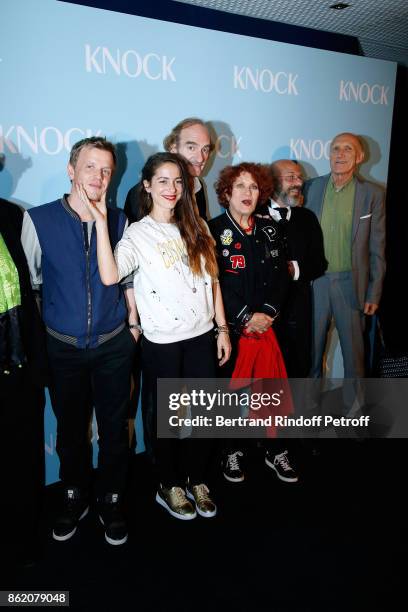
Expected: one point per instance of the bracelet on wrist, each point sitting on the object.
(221, 329)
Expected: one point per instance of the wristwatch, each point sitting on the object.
(246, 318)
(135, 326)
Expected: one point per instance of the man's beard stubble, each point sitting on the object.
(289, 200)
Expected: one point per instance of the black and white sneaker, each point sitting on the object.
(280, 463)
(111, 517)
(232, 467)
(75, 507)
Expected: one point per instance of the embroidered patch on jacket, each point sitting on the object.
(226, 237)
(237, 246)
(238, 261)
(270, 232)
(275, 253)
(225, 252)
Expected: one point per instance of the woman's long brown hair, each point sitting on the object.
(194, 233)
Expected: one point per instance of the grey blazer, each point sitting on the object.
(368, 235)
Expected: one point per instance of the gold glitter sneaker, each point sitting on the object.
(203, 502)
(176, 503)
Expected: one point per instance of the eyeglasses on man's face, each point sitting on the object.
(292, 178)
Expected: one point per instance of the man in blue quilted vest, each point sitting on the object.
(90, 345)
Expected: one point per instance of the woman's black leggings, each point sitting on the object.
(178, 459)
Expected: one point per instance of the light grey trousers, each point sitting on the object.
(334, 297)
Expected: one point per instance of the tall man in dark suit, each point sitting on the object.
(191, 139)
(352, 218)
(305, 254)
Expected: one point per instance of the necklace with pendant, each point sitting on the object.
(183, 256)
(251, 223)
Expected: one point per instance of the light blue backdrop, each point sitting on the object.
(69, 71)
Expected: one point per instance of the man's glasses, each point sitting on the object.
(292, 178)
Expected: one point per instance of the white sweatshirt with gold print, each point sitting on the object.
(173, 303)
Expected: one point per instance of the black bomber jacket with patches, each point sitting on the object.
(253, 270)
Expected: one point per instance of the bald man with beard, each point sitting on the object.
(305, 254)
(303, 243)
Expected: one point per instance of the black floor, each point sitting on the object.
(332, 542)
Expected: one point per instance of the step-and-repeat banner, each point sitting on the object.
(68, 72)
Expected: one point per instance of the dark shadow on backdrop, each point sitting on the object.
(12, 167)
(225, 148)
(372, 156)
(131, 157)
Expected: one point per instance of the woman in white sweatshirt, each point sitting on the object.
(178, 296)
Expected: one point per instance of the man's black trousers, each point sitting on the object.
(83, 379)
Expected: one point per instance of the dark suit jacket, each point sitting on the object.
(31, 326)
(368, 235)
(132, 205)
(305, 242)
